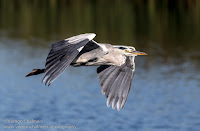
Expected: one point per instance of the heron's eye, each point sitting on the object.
(127, 51)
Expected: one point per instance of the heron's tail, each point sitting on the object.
(35, 72)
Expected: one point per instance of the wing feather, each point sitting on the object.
(116, 82)
(62, 54)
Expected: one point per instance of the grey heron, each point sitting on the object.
(116, 64)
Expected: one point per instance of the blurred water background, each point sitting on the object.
(165, 93)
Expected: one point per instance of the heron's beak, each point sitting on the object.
(138, 53)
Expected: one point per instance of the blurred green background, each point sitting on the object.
(169, 23)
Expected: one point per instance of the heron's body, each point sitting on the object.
(116, 64)
(96, 55)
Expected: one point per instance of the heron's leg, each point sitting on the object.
(35, 72)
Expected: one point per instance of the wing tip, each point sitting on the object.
(107, 103)
(115, 103)
(90, 36)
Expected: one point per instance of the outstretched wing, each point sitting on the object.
(116, 81)
(62, 54)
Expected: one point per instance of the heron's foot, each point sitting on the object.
(35, 72)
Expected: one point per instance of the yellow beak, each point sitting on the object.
(138, 53)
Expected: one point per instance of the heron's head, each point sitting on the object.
(130, 51)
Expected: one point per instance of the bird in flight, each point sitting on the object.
(116, 64)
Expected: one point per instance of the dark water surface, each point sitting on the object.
(165, 92)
